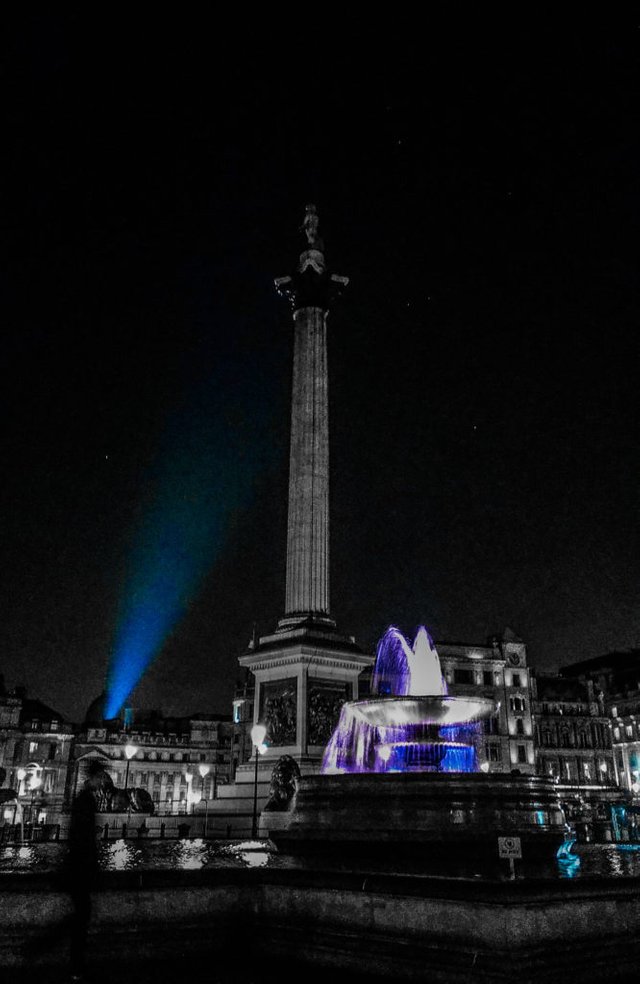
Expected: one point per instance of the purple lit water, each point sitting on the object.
(413, 737)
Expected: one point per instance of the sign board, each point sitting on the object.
(509, 847)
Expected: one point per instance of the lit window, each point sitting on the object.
(33, 747)
(616, 734)
(55, 725)
(629, 730)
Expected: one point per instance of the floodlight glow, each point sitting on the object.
(258, 734)
(212, 451)
(204, 770)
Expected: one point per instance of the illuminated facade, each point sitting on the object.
(573, 732)
(35, 753)
(498, 671)
(616, 676)
(167, 757)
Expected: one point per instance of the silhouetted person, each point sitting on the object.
(82, 866)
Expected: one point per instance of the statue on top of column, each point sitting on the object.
(310, 228)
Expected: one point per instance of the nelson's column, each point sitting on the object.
(306, 670)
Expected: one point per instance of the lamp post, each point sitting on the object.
(258, 734)
(129, 750)
(21, 775)
(204, 770)
(34, 784)
(188, 776)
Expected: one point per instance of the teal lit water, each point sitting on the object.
(596, 861)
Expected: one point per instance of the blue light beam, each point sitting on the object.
(213, 450)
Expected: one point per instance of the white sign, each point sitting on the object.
(509, 847)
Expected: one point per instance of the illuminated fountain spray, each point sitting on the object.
(411, 725)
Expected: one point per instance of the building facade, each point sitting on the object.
(35, 752)
(498, 671)
(573, 732)
(616, 677)
(179, 762)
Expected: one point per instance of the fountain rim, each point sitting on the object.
(438, 709)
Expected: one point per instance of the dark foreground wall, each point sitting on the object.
(398, 927)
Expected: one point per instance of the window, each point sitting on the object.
(156, 796)
(493, 752)
(586, 769)
(517, 704)
(35, 724)
(203, 757)
(490, 725)
(522, 754)
(629, 730)
(616, 734)
(614, 712)
(463, 676)
(33, 747)
(49, 782)
(487, 678)
(55, 725)
(516, 680)
(519, 726)
(52, 751)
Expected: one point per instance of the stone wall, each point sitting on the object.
(393, 926)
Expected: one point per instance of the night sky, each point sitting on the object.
(481, 192)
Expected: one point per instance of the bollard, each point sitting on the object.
(105, 832)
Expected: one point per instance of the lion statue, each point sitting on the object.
(284, 782)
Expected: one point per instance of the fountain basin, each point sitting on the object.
(393, 712)
(415, 817)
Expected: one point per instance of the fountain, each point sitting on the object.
(404, 768)
(412, 725)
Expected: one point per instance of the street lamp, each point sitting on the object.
(34, 784)
(258, 734)
(21, 775)
(188, 776)
(204, 770)
(129, 750)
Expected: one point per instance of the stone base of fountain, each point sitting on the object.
(434, 820)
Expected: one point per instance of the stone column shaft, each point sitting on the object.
(307, 587)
